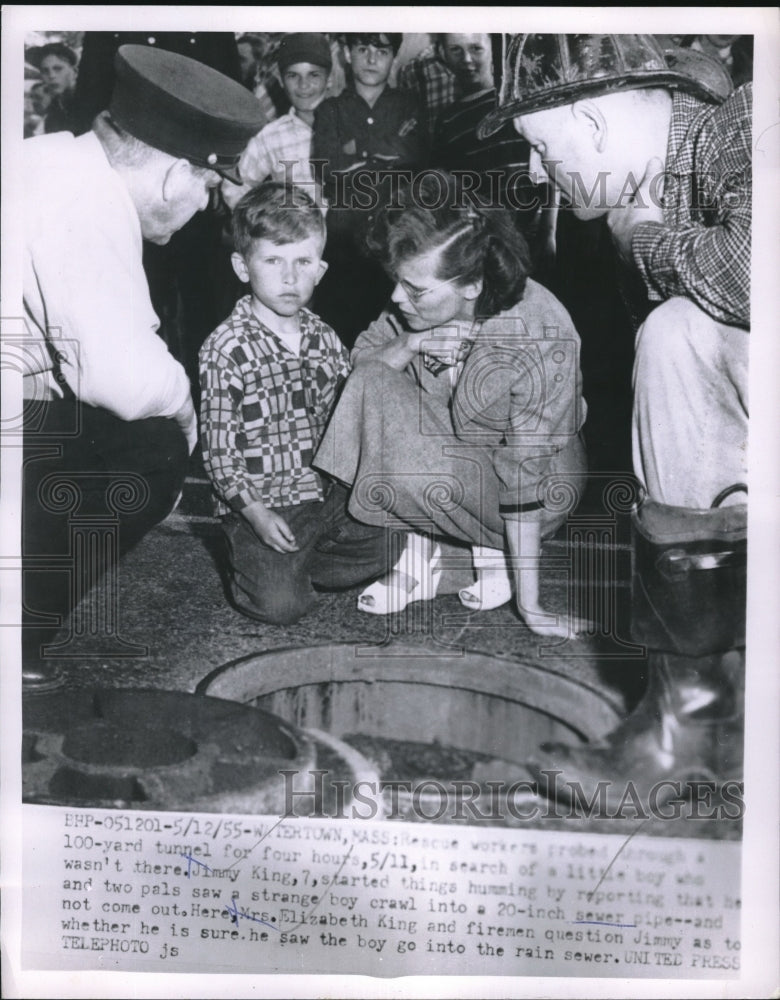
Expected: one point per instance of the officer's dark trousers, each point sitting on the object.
(93, 486)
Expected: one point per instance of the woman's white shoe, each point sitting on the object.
(493, 586)
(415, 577)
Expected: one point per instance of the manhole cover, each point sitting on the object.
(157, 750)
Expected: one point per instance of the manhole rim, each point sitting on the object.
(248, 669)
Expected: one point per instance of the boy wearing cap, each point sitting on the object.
(282, 149)
(105, 395)
(269, 377)
(58, 65)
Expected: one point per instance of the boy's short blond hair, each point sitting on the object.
(276, 211)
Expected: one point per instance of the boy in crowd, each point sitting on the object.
(360, 136)
(499, 164)
(432, 81)
(269, 377)
(58, 65)
(248, 60)
(282, 149)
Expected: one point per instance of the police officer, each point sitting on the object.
(104, 398)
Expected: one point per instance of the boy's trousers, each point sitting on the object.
(334, 552)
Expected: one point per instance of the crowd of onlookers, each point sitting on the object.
(52, 62)
(52, 65)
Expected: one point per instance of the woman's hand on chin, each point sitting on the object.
(447, 349)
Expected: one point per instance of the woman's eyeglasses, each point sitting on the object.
(415, 294)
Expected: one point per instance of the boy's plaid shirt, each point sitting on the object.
(263, 409)
(432, 82)
(281, 151)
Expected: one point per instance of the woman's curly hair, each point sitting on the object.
(435, 210)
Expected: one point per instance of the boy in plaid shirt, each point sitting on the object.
(282, 149)
(269, 377)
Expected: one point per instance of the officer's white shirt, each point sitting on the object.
(85, 290)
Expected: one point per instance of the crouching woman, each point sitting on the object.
(461, 419)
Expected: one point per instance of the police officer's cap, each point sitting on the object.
(184, 108)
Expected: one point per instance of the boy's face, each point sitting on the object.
(371, 64)
(58, 75)
(470, 59)
(305, 84)
(282, 276)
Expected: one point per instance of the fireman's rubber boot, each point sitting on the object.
(688, 610)
(687, 727)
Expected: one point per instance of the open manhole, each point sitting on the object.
(419, 717)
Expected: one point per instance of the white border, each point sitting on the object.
(760, 931)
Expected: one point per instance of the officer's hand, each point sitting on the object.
(188, 421)
(643, 206)
(233, 193)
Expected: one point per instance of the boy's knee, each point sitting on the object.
(274, 606)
